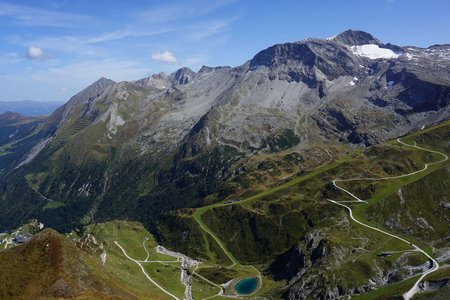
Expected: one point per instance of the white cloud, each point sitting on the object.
(165, 56)
(189, 26)
(84, 45)
(36, 53)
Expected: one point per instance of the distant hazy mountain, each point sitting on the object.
(29, 108)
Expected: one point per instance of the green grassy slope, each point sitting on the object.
(271, 208)
(301, 197)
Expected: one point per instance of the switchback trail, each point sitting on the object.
(410, 293)
(145, 273)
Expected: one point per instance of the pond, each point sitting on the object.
(246, 286)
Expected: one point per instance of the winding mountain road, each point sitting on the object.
(233, 260)
(407, 296)
(410, 293)
(145, 273)
(225, 250)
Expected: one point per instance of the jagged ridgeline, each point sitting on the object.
(269, 135)
(139, 149)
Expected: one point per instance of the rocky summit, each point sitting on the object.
(159, 149)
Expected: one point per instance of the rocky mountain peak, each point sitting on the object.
(163, 81)
(103, 82)
(355, 38)
(11, 116)
(311, 51)
(93, 91)
(182, 76)
(281, 53)
(207, 69)
(309, 61)
(157, 81)
(84, 99)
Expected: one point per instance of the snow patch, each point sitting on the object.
(409, 56)
(373, 51)
(354, 80)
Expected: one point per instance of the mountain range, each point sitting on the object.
(155, 149)
(29, 108)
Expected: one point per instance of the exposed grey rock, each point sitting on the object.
(355, 37)
(182, 76)
(318, 88)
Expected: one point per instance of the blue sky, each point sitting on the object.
(51, 49)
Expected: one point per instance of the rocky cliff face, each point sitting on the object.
(355, 38)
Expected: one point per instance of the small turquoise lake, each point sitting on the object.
(246, 286)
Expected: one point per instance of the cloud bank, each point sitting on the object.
(165, 56)
(35, 53)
